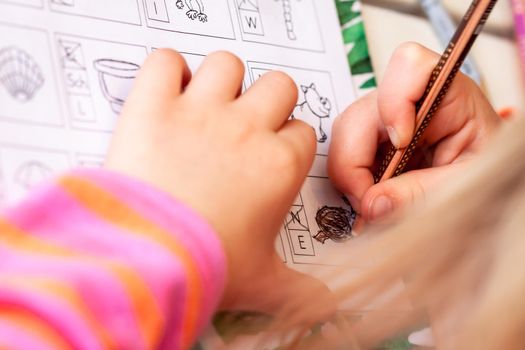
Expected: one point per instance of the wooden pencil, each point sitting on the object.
(442, 77)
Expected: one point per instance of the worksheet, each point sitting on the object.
(67, 66)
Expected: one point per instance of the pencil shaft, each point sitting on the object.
(440, 80)
(445, 27)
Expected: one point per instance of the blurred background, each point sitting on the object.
(391, 22)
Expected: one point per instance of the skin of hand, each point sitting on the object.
(236, 159)
(461, 126)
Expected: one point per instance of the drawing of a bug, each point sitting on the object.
(335, 224)
(318, 105)
(288, 19)
(195, 9)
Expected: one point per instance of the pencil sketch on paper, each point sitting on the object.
(112, 75)
(32, 173)
(195, 9)
(20, 74)
(335, 224)
(288, 19)
(316, 104)
(250, 16)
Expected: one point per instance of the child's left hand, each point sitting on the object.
(237, 160)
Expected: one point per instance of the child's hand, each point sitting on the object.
(461, 126)
(238, 161)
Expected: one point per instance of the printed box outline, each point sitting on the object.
(14, 3)
(318, 22)
(293, 256)
(147, 20)
(244, 85)
(79, 155)
(308, 233)
(70, 121)
(252, 81)
(18, 147)
(62, 123)
(100, 18)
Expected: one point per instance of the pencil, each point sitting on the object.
(441, 78)
(445, 27)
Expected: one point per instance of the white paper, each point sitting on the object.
(66, 67)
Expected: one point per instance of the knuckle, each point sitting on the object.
(287, 160)
(167, 57)
(284, 81)
(242, 131)
(227, 58)
(410, 52)
(307, 131)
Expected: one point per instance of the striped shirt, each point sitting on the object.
(97, 260)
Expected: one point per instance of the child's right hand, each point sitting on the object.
(460, 128)
(237, 160)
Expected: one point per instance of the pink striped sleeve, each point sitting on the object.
(97, 260)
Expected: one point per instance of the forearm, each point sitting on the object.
(98, 260)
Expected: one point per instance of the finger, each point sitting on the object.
(404, 83)
(465, 117)
(355, 137)
(301, 137)
(397, 192)
(161, 79)
(219, 78)
(272, 99)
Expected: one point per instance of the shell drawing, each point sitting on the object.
(32, 173)
(20, 74)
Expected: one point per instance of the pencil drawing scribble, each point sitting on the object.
(334, 223)
(195, 9)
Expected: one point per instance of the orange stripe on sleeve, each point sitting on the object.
(35, 326)
(62, 292)
(144, 305)
(118, 213)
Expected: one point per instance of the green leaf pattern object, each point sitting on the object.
(354, 37)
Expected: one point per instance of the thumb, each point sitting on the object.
(395, 193)
(404, 83)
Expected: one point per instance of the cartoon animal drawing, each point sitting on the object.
(195, 9)
(335, 224)
(318, 105)
(288, 19)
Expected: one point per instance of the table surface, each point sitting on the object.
(391, 22)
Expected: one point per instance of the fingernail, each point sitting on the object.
(379, 207)
(394, 137)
